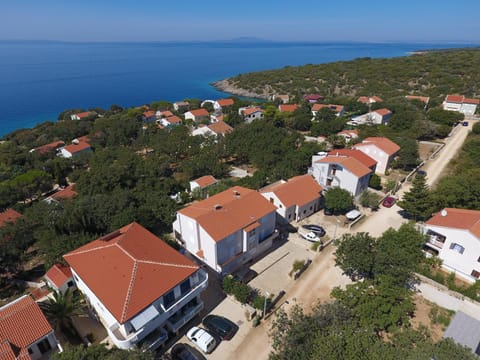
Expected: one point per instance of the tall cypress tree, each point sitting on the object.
(418, 201)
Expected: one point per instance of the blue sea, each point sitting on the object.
(39, 79)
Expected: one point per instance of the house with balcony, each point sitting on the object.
(25, 333)
(454, 236)
(228, 229)
(375, 117)
(197, 115)
(140, 288)
(381, 149)
(295, 198)
(251, 113)
(461, 104)
(342, 171)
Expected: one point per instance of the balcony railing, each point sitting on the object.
(153, 340)
(183, 316)
(435, 241)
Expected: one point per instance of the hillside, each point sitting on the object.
(432, 73)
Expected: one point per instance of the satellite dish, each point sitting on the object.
(443, 212)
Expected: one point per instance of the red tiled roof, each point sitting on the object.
(220, 128)
(298, 190)
(357, 154)
(471, 101)
(336, 108)
(251, 110)
(313, 97)
(74, 148)
(225, 102)
(368, 100)
(167, 113)
(376, 98)
(288, 107)
(205, 181)
(58, 274)
(22, 323)
(383, 112)
(174, 119)
(199, 112)
(129, 269)
(148, 114)
(458, 219)
(9, 216)
(83, 114)
(235, 209)
(384, 144)
(348, 162)
(351, 133)
(424, 99)
(49, 147)
(65, 194)
(454, 98)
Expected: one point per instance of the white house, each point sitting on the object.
(219, 128)
(284, 99)
(59, 277)
(80, 116)
(139, 286)
(223, 103)
(169, 121)
(228, 229)
(251, 113)
(197, 115)
(454, 236)
(77, 147)
(381, 149)
(369, 99)
(25, 332)
(296, 198)
(181, 105)
(375, 117)
(202, 182)
(337, 109)
(342, 171)
(348, 135)
(461, 104)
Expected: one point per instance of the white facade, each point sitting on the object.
(381, 157)
(335, 175)
(154, 320)
(465, 108)
(36, 350)
(459, 250)
(229, 253)
(250, 114)
(293, 212)
(371, 118)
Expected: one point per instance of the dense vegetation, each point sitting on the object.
(434, 73)
(370, 319)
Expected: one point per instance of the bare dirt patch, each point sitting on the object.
(426, 148)
(427, 314)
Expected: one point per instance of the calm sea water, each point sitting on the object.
(38, 80)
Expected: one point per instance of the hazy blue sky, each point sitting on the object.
(163, 20)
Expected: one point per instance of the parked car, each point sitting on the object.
(201, 339)
(421, 173)
(186, 352)
(389, 201)
(245, 275)
(465, 123)
(317, 229)
(327, 212)
(310, 236)
(224, 328)
(353, 214)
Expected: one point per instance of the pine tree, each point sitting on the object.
(418, 201)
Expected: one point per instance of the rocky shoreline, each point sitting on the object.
(226, 86)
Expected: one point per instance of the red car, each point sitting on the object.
(389, 201)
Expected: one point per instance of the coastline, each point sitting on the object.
(227, 87)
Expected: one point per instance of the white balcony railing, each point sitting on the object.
(434, 240)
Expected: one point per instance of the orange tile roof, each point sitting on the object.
(174, 119)
(167, 113)
(384, 144)
(199, 112)
(21, 324)
(225, 102)
(129, 269)
(299, 190)
(251, 110)
(205, 181)
(471, 101)
(9, 216)
(352, 133)
(424, 99)
(288, 107)
(368, 100)
(376, 98)
(74, 148)
(348, 162)
(383, 112)
(58, 274)
(65, 194)
(454, 98)
(149, 114)
(458, 219)
(336, 108)
(49, 147)
(229, 211)
(357, 154)
(83, 114)
(220, 128)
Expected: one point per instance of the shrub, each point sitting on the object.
(228, 284)
(259, 302)
(241, 292)
(297, 265)
(476, 128)
(375, 182)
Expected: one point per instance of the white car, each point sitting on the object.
(201, 339)
(310, 236)
(353, 214)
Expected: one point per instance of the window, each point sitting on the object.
(70, 283)
(30, 351)
(168, 299)
(44, 346)
(476, 274)
(456, 247)
(185, 286)
(478, 260)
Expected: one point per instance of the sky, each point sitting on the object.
(280, 20)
